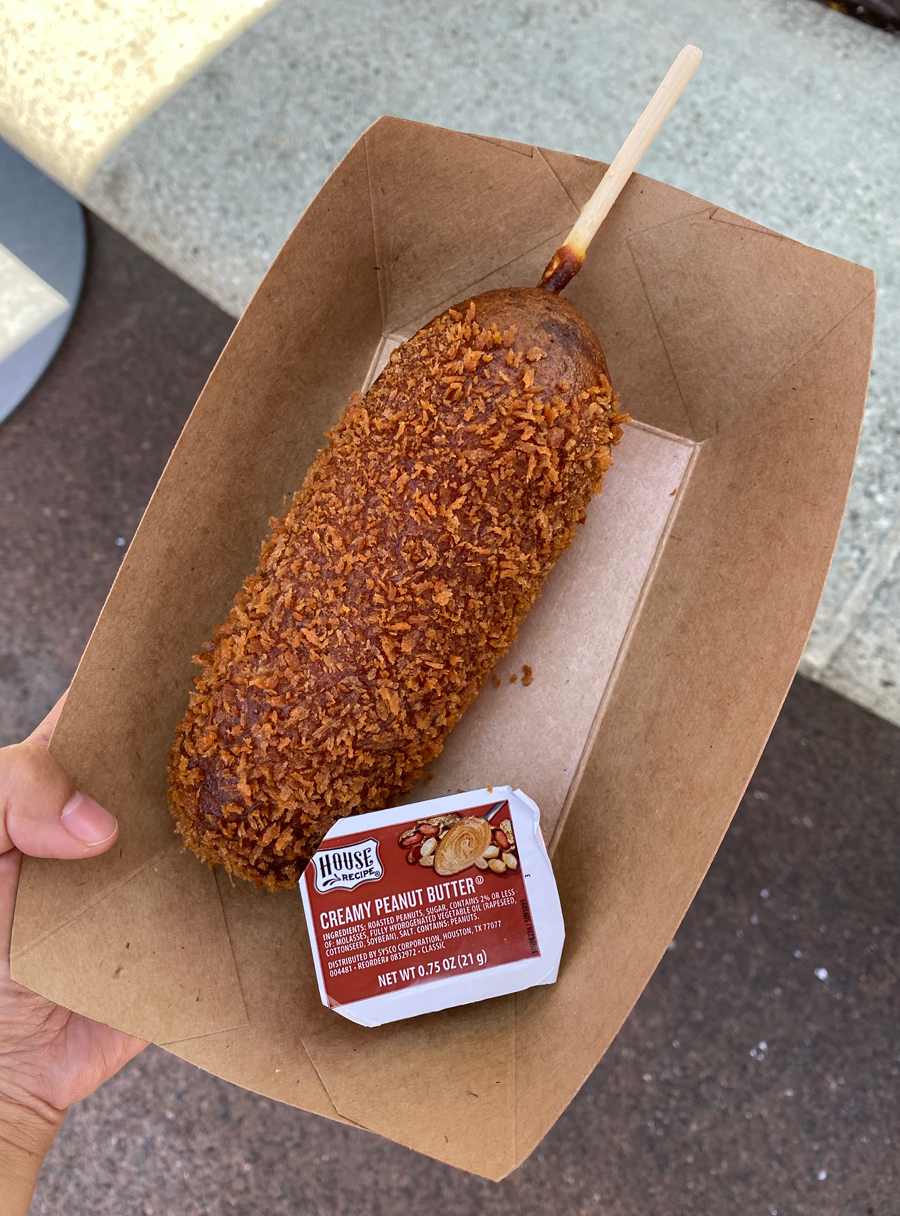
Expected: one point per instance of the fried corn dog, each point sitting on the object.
(398, 577)
(406, 563)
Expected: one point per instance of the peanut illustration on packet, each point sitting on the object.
(452, 843)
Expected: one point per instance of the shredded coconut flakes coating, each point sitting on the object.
(394, 583)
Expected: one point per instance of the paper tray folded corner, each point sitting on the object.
(151, 956)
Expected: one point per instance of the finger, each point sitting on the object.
(41, 734)
(42, 813)
(9, 881)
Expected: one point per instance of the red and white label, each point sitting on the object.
(432, 893)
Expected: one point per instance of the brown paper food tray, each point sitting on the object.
(662, 648)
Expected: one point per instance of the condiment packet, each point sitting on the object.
(439, 903)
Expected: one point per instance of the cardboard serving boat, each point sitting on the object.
(661, 649)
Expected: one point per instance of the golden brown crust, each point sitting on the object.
(396, 580)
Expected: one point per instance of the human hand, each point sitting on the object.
(49, 1057)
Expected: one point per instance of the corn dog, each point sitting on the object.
(406, 563)
(396, 580)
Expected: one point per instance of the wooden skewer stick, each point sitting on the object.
(569, 258)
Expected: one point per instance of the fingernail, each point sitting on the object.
(88, 821)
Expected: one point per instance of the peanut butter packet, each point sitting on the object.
(439, 903)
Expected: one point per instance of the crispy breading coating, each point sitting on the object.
(396, 580)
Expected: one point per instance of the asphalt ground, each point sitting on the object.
(758, 1072)
(885, 14)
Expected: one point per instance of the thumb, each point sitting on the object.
(41, 812)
